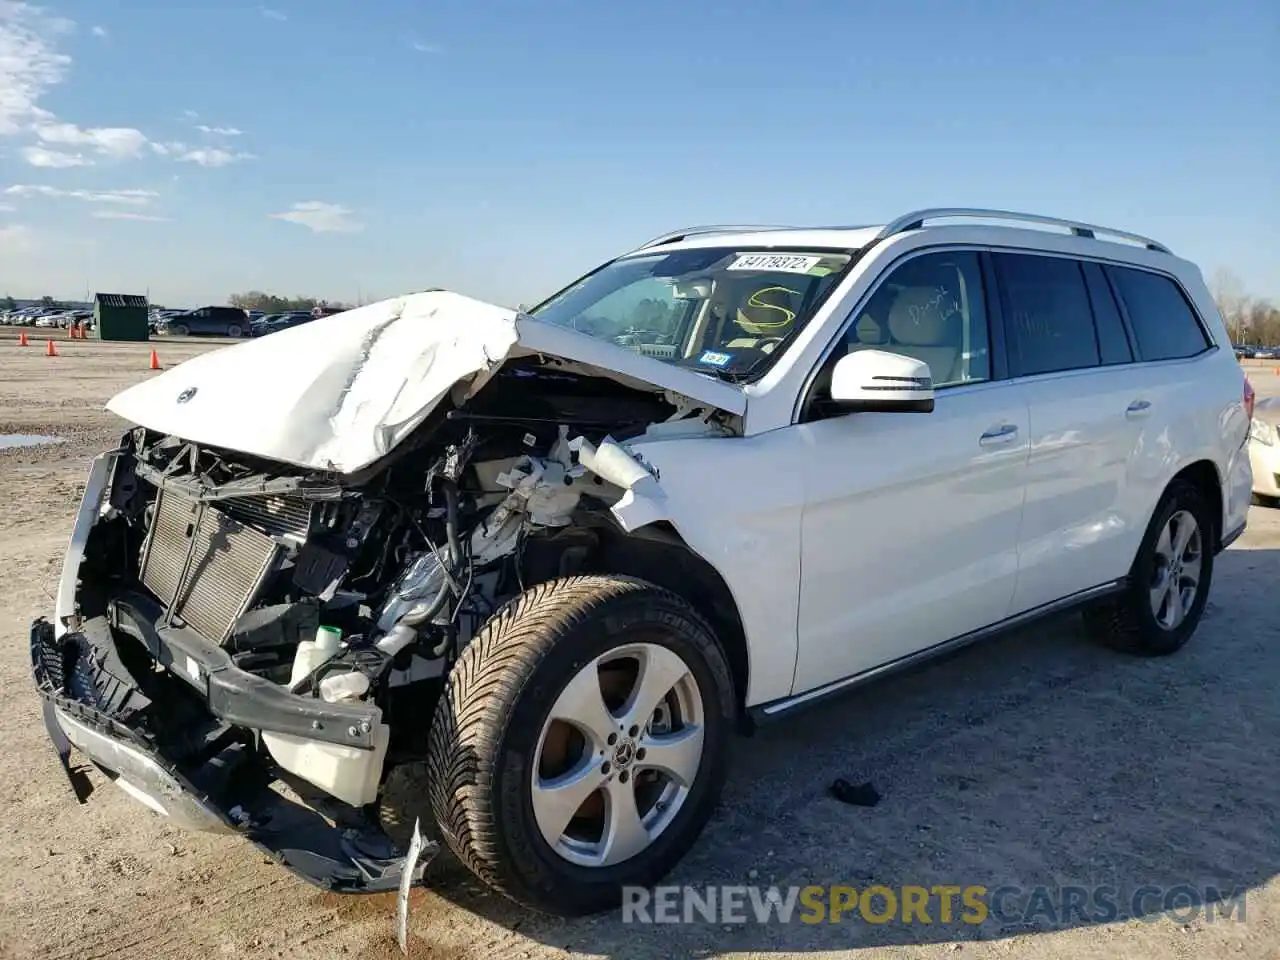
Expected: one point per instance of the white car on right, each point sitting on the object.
(1264, 451)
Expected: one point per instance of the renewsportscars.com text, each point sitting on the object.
(938, 904)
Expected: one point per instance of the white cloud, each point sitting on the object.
(424, 47)
(204, 156)
(29, 63)
(213, 158)
(53, 159)
(7, 208)
(118, 142)
(320, 217)
(139, 198)
(219, 131)
(272, 14)
(127, 215)
(191, 114)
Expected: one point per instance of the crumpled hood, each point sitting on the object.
(340, 392)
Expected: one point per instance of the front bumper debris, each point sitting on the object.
(91, 707)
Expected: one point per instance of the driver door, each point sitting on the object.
(910, 523)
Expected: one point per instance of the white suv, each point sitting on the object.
(525, 573)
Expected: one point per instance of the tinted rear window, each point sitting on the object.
(1163, 322)
(1113, 341)
(1046, 309)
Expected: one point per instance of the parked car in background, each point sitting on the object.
(262, 325)
(1264, 451)
(206, 322)
(291, 319)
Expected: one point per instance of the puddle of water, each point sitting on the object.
(10, 440)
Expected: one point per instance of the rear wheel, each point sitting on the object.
(582, 742)
(1168, 583)
(234, 331)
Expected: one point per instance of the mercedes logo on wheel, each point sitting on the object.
(186, 394)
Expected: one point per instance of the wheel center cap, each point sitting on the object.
(624, 753)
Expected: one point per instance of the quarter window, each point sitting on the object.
(1046, 310)
(931, 308)
(1163, 322)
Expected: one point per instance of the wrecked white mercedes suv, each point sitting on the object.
(526, 573)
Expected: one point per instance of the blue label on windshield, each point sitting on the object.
(713, 359)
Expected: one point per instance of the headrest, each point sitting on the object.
(924, 317)
(869, 331)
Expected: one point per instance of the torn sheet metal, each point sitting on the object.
(408, 877)
(341, 392)
(642, 500)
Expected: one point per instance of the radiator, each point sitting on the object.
(229, 561)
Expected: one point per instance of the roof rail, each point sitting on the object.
(675, 235)
(915, 220)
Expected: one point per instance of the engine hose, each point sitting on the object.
(451, 521)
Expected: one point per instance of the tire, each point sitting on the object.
(403, 801)
(489, 731)
(234, 331)
(180, 330)
(1128, 623)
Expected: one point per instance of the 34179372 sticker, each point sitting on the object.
(776, 262)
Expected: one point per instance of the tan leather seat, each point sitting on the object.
(925, 323)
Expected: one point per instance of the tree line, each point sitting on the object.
(272, 303)
(1252, 321)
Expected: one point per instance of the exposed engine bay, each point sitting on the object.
(306, 620)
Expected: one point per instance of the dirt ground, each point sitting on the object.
(1036, 759)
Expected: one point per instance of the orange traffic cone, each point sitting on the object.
(155, 361)
(22, 339)
(73, 332)
(50, 350)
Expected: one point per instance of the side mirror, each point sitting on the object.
(873, 381)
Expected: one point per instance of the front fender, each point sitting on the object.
(735, 501)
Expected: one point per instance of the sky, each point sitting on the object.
(366, 148)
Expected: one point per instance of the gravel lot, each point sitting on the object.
(1036, 759)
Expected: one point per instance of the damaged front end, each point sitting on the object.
(249, 645)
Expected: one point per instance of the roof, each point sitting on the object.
(119, 300)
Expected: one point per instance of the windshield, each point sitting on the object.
(721, 310)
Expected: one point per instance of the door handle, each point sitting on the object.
(1001, 434)
(1139, 408)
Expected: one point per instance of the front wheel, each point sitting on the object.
(582, 742)
(179, 330)
(1168, 583)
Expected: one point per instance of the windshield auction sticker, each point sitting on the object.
(776, 262)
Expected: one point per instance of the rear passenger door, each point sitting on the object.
(1088, 411)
